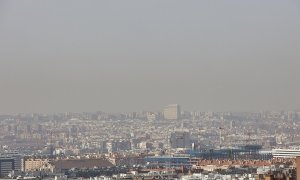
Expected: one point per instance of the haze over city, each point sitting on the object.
(149, 90)
(59, 56)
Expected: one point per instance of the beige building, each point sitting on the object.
(36, 164)
(172, 112)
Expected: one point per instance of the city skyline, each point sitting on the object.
(149, 90)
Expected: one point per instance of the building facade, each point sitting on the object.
(6, 166)
(285, 153)
(180, 139)
(172, 112)
(35, 164)
(18, 159)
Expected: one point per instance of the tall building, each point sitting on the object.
(172, 112)
(180, 139)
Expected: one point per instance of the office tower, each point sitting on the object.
(172, 112)
(180, 139)
(6, 166)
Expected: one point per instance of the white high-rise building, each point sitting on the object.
(172, 112)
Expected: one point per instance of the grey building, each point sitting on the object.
(6, 166)
(180, 139)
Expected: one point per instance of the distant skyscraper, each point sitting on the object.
(172, 112)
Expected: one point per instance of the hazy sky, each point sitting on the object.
(234, 55)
